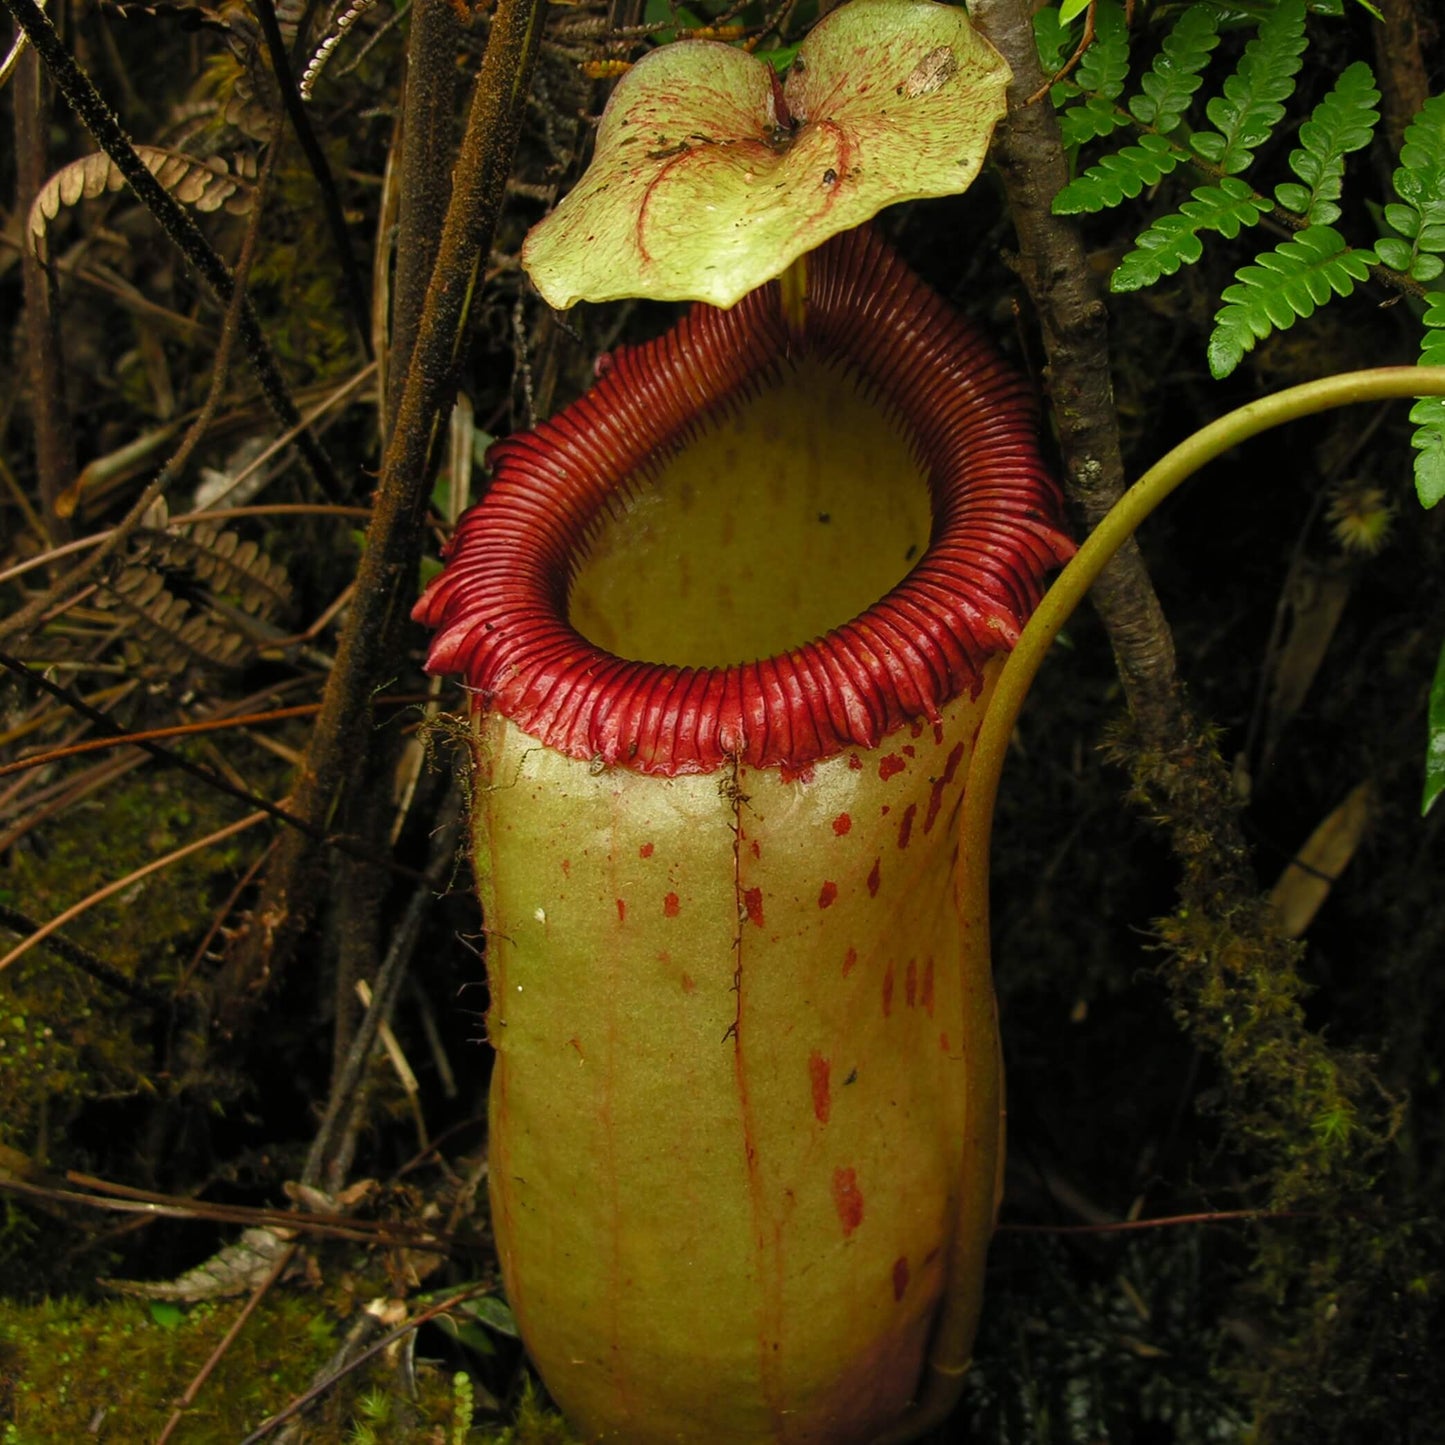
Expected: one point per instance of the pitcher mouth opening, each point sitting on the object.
(635, 587)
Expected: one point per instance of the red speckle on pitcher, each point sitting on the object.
(670, 906)
(818, 1071)
(827, 894)
(753, 903)
(900, 1276)
(847, 1199)
(842, 823)
(935, 798)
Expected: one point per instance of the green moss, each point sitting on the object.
(537, 1423)
(65, 1037)
(65, 1364)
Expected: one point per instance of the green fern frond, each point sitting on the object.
(1250, 108)
(1342, 122)
(1420, 184)
(1429, 411)
(1173, 240)
(1100, 77)
(1124, 173)
(1051, 39)
(1169, 86)
(1282, 286)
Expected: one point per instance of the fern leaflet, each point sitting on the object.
(1343, 121)
(1173, 240)
(1124, 173)
(1165, 92)
(1248, 111)
(1100, 76)
(1429, 411)
(1051, 38)
(1420, 184)
(1282, 286)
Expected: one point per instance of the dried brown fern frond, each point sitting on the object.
(192, 595)
(215, 557)
(167, 634)
(208, 185)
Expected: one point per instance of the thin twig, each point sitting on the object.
(207, 514)
(117, 1199)
(183, 730)
(218, 921)
(333, 1145)
(54, 447)
(151, 735)
(1167, 1221)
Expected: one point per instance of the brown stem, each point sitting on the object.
(1400, 66)
(426, 148)
(367, 652)
(1030, 157)
(54, 452)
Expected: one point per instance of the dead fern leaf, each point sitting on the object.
(229, 568)
(176, 634)
(235, 1269)
(193, 594)
(232, 566)
(208, 185)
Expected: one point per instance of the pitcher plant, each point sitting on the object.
(730, 623)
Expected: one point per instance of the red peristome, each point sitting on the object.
(500, 607)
